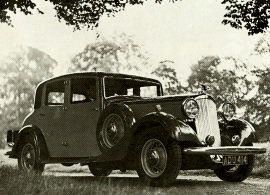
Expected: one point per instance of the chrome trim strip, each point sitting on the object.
(226, 150)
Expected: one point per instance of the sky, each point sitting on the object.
(183, 32)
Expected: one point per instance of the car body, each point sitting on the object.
(115, 121)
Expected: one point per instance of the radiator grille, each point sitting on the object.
(207, 122)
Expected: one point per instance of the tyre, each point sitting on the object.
(235, 173)
(100, 172)
(28, 157)
(112, 130)
(111, 127)
(158, 159)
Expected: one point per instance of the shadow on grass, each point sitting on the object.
(135, 181)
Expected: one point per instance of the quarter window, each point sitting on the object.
(56, 98)
(55, 93)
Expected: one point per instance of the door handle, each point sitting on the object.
(64, 143)
(65, 108)
(41, 114)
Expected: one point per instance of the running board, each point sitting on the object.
(226, 150)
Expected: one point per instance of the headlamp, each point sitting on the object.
(229, 110)
(191, 108)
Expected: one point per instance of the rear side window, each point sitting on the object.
(55, 93)
(83, 90)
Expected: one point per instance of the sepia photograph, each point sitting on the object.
(135, 97)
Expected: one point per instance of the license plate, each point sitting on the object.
(235, 160)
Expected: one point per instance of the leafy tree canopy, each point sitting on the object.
(167, 75)
(262, 46)
(252, 15)
(224, 84)
(119, 55)
(257, 109)
(78, 13)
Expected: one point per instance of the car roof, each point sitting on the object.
(99, 74)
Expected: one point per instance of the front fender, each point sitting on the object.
(248, 134)
(176, 129)
(239, 127)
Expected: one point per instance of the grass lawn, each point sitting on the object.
(12, 181)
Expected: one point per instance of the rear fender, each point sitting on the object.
(39, 141)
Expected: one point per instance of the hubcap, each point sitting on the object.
(28, 157)
(112, 130)
(154, 158)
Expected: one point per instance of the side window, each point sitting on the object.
(148, 91)
(55, 93)
(83, 90)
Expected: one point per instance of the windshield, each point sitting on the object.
(131, 87)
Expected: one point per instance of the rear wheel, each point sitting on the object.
(235, 173)
(28, 157)
(158, 160)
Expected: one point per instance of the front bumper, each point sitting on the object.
(225, 150)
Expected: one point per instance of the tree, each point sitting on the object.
(21, 72)
(262, 46)
(259, 105)
(225, 84)
(119, 55)
(250, 14)
(235, 85)
(167, 75)
(78, 13)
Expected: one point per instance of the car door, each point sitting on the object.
(82, 113)
(52, 117)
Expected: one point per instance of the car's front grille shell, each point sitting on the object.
(207, 121)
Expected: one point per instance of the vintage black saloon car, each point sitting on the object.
(117, 121)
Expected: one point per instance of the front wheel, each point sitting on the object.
(28, 157)
(235, 173)
(158, 160)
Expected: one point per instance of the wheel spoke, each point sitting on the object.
(154, 157)
(112, 130)
(28, 157)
